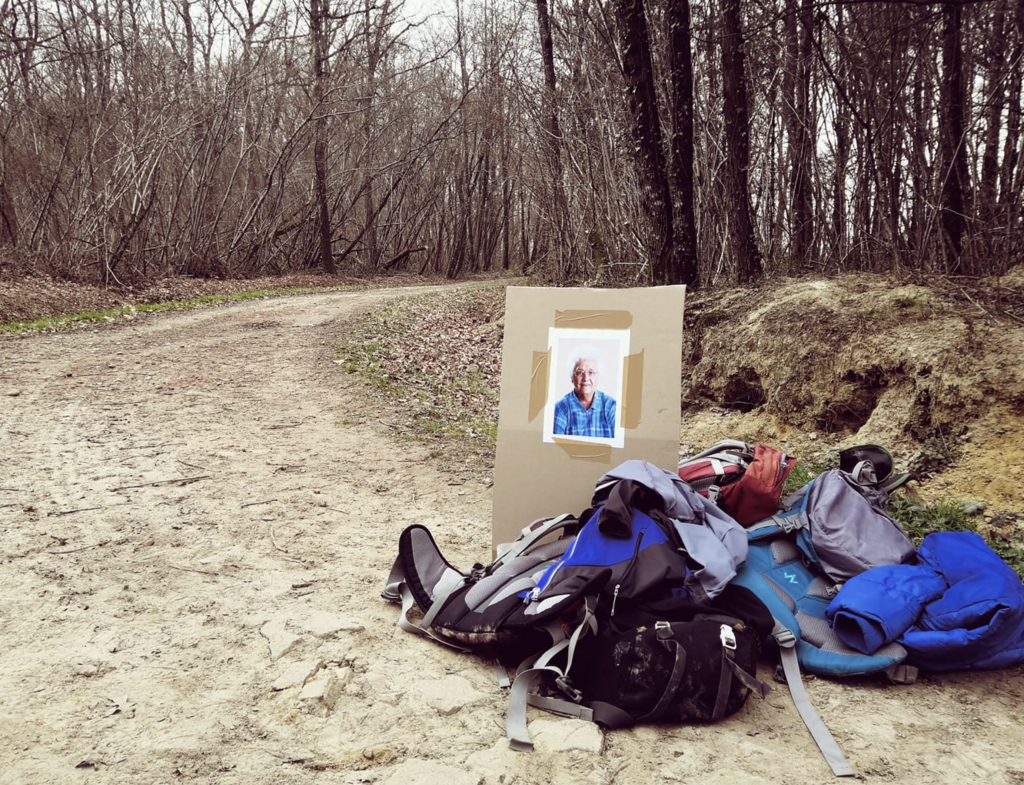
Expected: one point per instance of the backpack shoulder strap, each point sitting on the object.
(822, 737)
(525, 687)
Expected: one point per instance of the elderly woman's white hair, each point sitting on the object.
(583, 352)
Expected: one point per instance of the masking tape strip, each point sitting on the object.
(632, 389)
(594, 320)
(539, 370)
(585, 451)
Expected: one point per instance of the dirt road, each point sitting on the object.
(197, 517)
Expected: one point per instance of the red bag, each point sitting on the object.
(757, 494)
(709, 471)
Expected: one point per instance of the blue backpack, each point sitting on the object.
(830, 525)
(798, 559)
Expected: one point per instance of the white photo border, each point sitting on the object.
(613, 347)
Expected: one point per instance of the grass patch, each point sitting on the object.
(806, 469)
(435, 362)
(113, 314)
(946, 515)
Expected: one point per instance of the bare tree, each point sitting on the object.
(953, 153)
(680, 64)
(638, 71)
(743, 244)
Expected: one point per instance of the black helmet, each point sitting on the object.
(871, 464)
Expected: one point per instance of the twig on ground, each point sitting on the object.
(189, 569)
(72, 512)
(83, 548)
(253, 504)
(273, 539)
(976, 304)
(179, 480)
(150, 446)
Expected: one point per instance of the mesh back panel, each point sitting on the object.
(817, 632)
(822, 587)
(784, 550)
(782, 595)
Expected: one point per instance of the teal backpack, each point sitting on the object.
(831, 525)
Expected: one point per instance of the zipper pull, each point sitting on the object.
(615, 598)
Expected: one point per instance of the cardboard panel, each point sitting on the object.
(631, 340)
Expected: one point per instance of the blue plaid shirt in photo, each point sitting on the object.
(572, 419)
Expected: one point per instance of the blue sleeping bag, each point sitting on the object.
(960, 608)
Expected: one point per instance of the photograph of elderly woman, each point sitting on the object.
(586, 384)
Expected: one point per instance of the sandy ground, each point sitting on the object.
(198, 516)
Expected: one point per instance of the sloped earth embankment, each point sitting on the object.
(925, 370)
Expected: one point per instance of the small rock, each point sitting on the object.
(428, 772)
(280, 639)
(14, 393)
(297, 674)
(92, 668)
(565, 735)
(319, 696)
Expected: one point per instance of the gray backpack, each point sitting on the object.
(843, 525)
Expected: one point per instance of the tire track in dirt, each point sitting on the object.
(174, 480)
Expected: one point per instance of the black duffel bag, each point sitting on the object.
(699, 670)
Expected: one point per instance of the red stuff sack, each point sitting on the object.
(756, 495)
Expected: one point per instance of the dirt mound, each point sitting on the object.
(932, 371)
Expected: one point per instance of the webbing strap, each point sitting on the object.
(561, 706)
(529, 535)
(396, 590)
(753, 684)
(450, 582)
(524, 692)
(791, 667)
(664, 632)
(724, 682)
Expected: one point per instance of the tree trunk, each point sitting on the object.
(743, 245)
(1009, 173)
(8, 217)
(952, 151)
(680, 60)
(655, 197)
(552, 146)
(802, 215)
(318, 34)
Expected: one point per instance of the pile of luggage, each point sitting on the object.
(657, 602)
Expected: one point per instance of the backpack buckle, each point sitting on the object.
(784, 637)
(662, 630)
(728, 637)
(562, 682)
